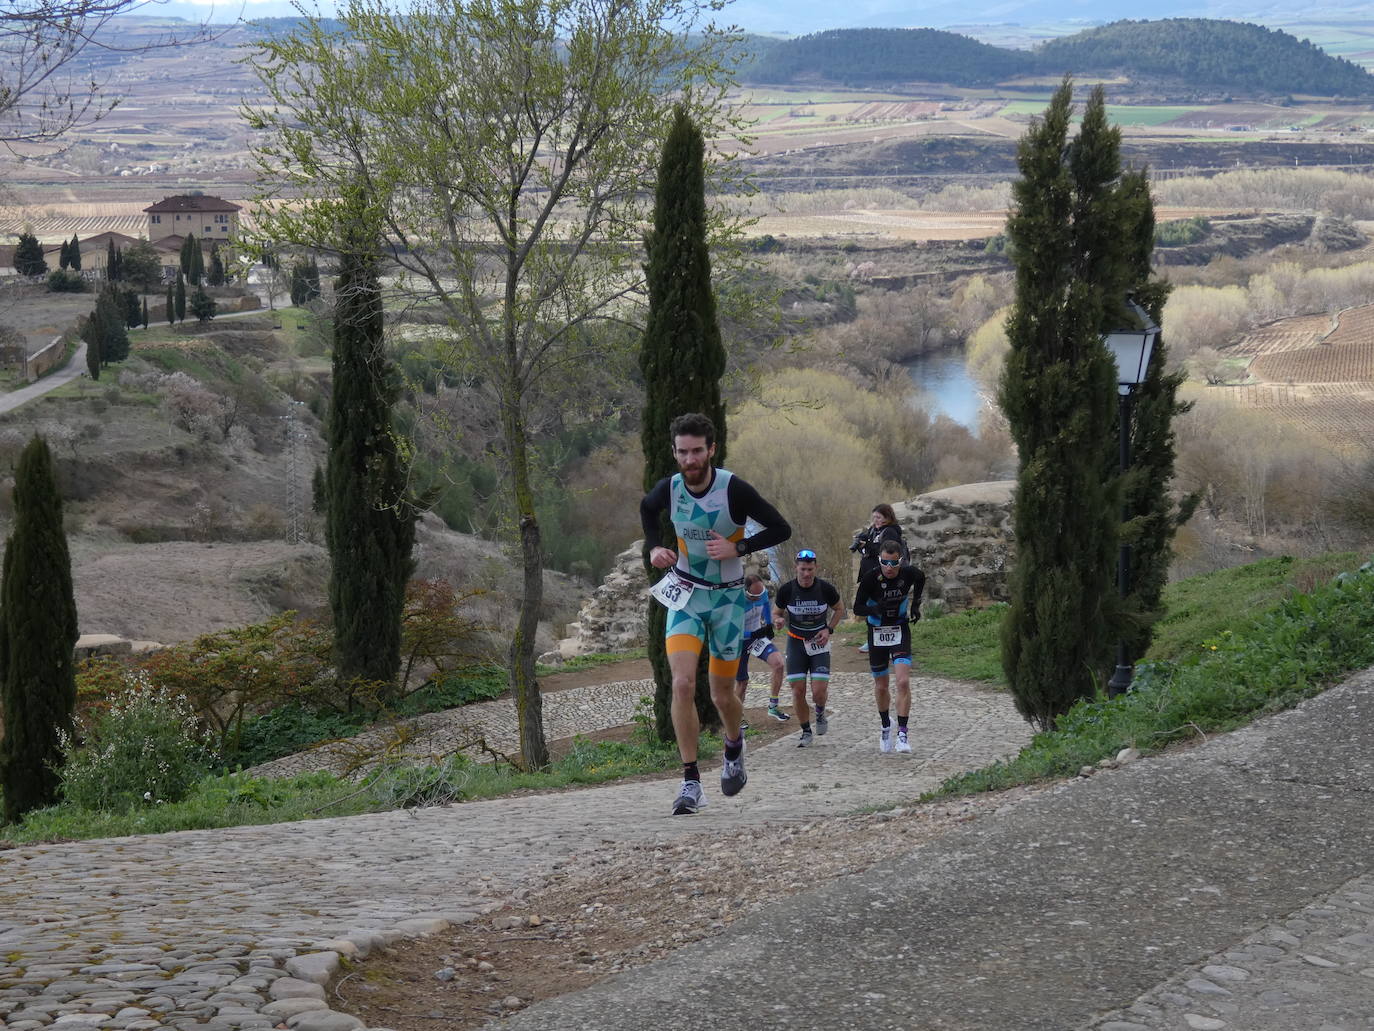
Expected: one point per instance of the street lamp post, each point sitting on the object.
(1131, 348)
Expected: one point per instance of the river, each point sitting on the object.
(946, 386)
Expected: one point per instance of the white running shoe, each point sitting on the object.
(689, 799)
(902, 743)
(885, 740)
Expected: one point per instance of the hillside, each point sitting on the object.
(1195, 52)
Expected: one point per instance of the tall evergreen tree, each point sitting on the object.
(197, 273)
(111, 322)
(38, 630)
(64, 257)
(1074, 266)
(74, 252)
(28, 256)
(369, 521)
(184, 255)
(112, 262)
(682, 359)
(1153, 517)
(171, 305)
(181, 297)
(145, 313)
(89, 331)
(215, 277)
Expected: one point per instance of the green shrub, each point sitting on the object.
(65, 281)
(146, 748)
(1182, 231)
(410, 787)
(1283, 656)
(288, 729)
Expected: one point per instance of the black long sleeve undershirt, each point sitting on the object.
(745, 503)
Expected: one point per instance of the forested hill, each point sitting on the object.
(1205, 51)
(1200, 52)
(871, 57)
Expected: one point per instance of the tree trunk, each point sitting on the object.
(524, 685)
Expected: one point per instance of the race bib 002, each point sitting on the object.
(887, 636)
(673, 592)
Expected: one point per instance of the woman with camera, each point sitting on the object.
(869, 541)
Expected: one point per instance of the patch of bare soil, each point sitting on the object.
(607, 911)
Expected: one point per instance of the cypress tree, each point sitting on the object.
(184, 255)
(64, 257)
(28, 256)
(216, 274)
(297, 288)
(38, 630)
(111, 316)
(197, 263)
(181, 297)
(1073, 269)
(74, 253)
(682, 359)
(145, 313)
(369, 521)
(112, 262)
(1153, 517)
(171, 305)
(89, 331)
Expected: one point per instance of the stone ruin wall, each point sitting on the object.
(961, 537)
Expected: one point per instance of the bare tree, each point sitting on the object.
(44, 90)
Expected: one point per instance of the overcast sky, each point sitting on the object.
(798, 17)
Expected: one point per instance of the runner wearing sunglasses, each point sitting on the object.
(890, 597)
(704, 591)
(811, 609)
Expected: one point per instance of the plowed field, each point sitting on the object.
(1313, 371)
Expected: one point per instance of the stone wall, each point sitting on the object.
(961, 537)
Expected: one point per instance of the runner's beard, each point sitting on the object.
(696, 477)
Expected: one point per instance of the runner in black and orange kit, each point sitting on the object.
(704, 593)
(810, 608)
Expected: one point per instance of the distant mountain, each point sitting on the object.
(1198, 52)
(872, 57)
(1207, 52)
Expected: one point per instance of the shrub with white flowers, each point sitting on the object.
(147, 748)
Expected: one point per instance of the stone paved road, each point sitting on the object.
(239, 927)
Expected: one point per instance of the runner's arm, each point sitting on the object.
(653, 506)
(746, 503)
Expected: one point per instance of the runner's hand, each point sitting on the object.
(718, 547)
(662, 558)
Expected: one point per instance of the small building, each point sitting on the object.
(210, 218)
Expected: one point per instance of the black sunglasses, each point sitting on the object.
(889, 562)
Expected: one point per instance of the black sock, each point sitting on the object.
(734, 748)
(901, 722)
(887, 720)
(690, 771)
(806, 728)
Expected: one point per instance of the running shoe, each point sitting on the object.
(902, 745)
(732, 775)
(689, 799)
(863, 647)
(885, 740)
(805, 741)
(743, 725)
(778, 714)
(822, 723)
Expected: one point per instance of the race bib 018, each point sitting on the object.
(814, 647)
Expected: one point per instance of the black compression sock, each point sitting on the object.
(734, 748)
(690, 771)
(887, 720)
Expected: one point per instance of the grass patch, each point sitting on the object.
(1302, 643)
(964, 646)
(235, 799)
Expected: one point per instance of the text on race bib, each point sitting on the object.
(759, 647)
(814, 647)
(887, 636)
(673, 592)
